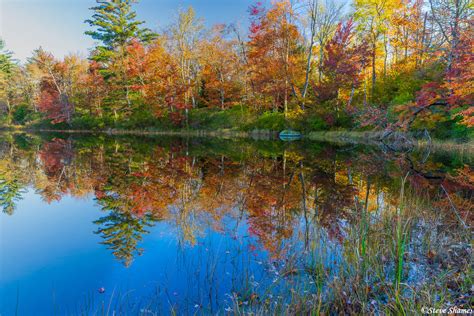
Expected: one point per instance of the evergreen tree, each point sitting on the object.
(116, 28)
(6, 62)
(7, 72)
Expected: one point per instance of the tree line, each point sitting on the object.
(385, 64)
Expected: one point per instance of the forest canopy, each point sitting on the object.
(305, 64)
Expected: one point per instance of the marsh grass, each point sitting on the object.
(378, 272)
(462, 149)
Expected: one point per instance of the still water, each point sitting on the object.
(98, 225)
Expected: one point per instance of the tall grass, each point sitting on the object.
(378, 260)
(463, 149)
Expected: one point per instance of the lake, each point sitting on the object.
(102, 225)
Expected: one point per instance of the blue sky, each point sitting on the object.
(58, 25)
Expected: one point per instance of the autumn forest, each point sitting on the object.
(309, 65)
(313, 157)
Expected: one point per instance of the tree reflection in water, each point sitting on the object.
(291, 198)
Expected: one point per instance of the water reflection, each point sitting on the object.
(295, 198)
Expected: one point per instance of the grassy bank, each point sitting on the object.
(404, 141)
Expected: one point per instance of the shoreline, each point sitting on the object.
(220, 133)
(372, 138)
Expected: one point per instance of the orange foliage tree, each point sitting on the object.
(275, 59)
(221, 70)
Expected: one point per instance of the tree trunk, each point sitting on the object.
(321, 56)
(374, 74)
(221, 90)
(308, 71)
(419, 60)
(385, 44)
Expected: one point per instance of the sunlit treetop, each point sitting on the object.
(116, 25)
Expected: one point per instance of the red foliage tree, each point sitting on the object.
(59, 81)
(342, 67)
(276, 64)
(454, 96)
(343, 63)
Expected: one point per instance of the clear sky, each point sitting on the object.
(58, 25)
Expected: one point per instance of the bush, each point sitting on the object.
(214, 119)
(343, 120)
(314, 122)
(139, 119)
(274, 121)
(452, 129)
(88, 123)
(21, 114)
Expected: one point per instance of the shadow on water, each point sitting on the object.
(258, 226)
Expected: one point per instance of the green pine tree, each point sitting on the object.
(7, 71)
(115, 27)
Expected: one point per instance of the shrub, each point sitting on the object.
(214, 119)
(21, 114)
(274, 121)
(314, 122)
(88, 122)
